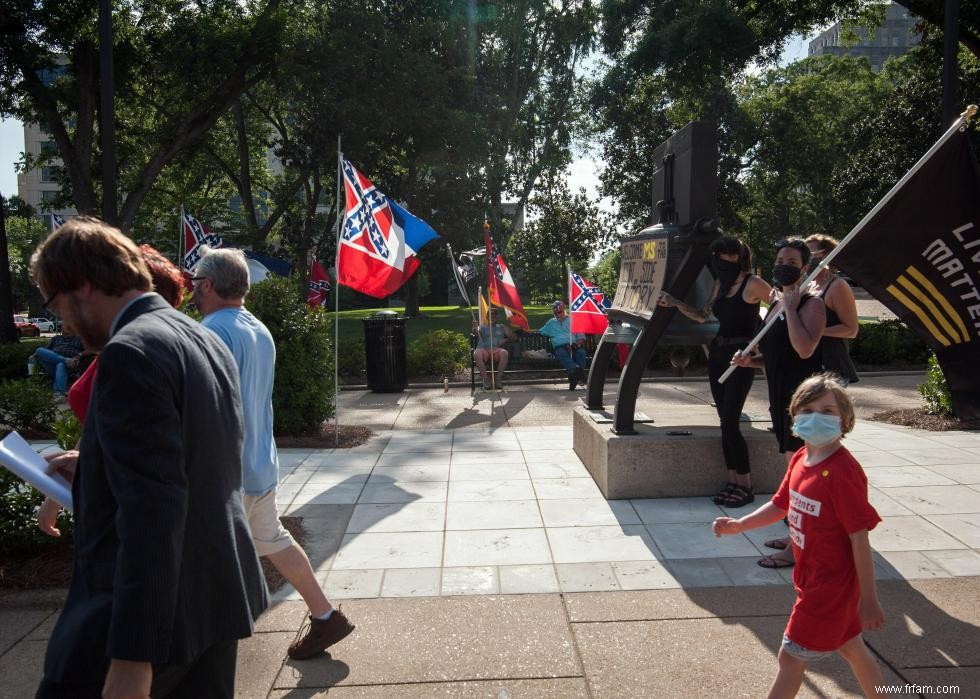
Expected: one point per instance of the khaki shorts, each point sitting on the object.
(268, 534)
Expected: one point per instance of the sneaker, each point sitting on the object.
(580, 375)
(572, 380)
(321, 635)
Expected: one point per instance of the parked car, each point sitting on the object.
(25, 327)
(45, 325)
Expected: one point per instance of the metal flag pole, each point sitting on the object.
(180, 239)
(459, 281)
(336, 307)
(959, 124)
(568, 295)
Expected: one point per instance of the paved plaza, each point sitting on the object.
(478, 558)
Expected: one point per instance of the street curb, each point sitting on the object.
(615, 380)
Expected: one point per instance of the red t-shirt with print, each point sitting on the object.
(825, 503)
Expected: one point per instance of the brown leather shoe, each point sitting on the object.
(321, 635)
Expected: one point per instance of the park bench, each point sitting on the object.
(530, 357)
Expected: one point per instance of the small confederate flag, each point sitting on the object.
(500, 285)
(195, 236)
(319, 286)
(587, 306)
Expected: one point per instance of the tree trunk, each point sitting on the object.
(8, 331)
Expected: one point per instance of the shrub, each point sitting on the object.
(887, 341)
(935, 391)
(438, 353)
(27, 404)
(911, 347)
(13, 357)
(350, 357)
(303, 396)
(67, 430)
(19, 501)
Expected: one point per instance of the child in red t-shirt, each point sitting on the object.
(825, 497)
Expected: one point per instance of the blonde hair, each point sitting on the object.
(812, 388)
(824, 242)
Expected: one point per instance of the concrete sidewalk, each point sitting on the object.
(477, 558)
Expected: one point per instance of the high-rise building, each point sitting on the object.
(893, 37)
(39, 186)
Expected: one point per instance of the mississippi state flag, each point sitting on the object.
(379, 240)
(587, 306)
(500, 285)
(57, 221)
(195, 236)
(319, 286)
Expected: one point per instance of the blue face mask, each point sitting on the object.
(817, 429)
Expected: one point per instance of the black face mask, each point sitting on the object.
(727, 272)
(785, 275)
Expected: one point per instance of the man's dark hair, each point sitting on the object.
(86, 249)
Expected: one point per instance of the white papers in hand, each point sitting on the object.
(18, 456)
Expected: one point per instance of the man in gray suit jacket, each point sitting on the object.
(166, 579)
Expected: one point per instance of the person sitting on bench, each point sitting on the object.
(489, 349)
(59, 358)
(567, 346)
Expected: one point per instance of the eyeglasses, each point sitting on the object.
(47, 303)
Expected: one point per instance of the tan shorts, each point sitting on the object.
(268, 534)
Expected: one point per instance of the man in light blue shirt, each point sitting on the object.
(567, 346)
(220, 285)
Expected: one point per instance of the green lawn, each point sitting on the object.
(432, 318)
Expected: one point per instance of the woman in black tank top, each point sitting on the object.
(734, 301)
(842, 319)
(790, 350)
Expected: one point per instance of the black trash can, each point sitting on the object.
(384, 350)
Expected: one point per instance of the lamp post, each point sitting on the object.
(950, 45)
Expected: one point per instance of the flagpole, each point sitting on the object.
(459, 280)
(180, 239)
(336, 309)
(959, 124)
(568, 295)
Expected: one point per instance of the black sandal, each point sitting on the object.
(739, 497)
(724, 494)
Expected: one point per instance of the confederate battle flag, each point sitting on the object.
(195, 236)
(587, 306)
(319, 286)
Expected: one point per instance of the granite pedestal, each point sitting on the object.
(653, 464)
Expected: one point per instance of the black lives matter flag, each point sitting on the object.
(919, 255)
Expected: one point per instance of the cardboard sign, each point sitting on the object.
(642, 267)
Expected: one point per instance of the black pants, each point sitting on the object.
(729, 400)
(210, 676)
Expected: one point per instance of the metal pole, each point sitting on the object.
(951, 30)
(107, 115)
(341, 206)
